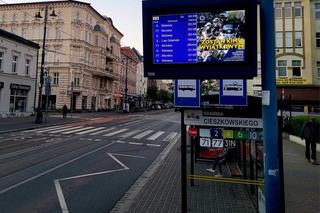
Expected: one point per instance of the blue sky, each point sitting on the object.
(126, 16)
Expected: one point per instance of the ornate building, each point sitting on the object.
(82, 54)
(128, 77)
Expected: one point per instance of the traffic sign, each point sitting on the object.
(187, 93)
(233, 92)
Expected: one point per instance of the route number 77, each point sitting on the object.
(217, 143)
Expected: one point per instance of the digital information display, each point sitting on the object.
(193, 38)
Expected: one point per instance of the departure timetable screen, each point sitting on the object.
(207, 37)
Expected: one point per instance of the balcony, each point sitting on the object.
(104, 73)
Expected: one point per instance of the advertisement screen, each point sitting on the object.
(206, 37)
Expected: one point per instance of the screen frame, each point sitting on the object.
(246, 69)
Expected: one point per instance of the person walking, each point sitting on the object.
(64, 111)
(218, 161)
(310, 132)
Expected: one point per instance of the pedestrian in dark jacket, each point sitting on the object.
(64, 111)
(218, 161)
(310, 132)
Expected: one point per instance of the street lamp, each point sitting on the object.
(39, 115)
(126, 88)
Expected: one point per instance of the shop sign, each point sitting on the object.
(20, 86)
(291, 81)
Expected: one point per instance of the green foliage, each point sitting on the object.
(297, 122)
(153, 93)
(164, 96)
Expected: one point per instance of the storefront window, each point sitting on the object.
(18, 100)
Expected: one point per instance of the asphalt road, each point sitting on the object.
(80, 167)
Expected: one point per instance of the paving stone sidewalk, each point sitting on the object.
(161, 193)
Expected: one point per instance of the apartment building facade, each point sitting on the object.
(18, 65)
(82, 52)
(128, 77)
(297, 33)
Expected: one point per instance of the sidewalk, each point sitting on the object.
(159, 192)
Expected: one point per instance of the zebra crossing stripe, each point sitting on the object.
(67, 129)
(43, 129)
(170, 137)
(155, 136)
(77, 130)
(90, 130)
(130, 133)
(141, 135)
(116, 132)
(102, 131)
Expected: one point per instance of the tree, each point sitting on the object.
(164, 96)
(207, 86)
(153, 93)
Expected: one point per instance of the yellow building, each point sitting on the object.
(82, 51)
(297, 33)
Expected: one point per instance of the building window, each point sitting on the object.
(18, 100)
(14, 17)
(318, 69)
(317, 10)
(56, 57)
(282, 68)
(96, 41)
(297, 9)
(287, 9)
(318, 39)
(14, 64)
(24, 33)
(25, 16)
(1, 61)
(76, 79)
(58, 33)
(55, 78)
(278, 10)
(298, 39)
(296, 68)
(27, 68)
(47, 33)
(288, 39)
(279, 39)
(3, 18)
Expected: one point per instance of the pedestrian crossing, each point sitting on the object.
(123, 133)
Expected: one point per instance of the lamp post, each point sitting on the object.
(39, 116)
(126, 88)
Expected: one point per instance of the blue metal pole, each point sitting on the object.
(272, 171)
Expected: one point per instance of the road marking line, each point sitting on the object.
(170, 137)
(67, 129)
(116, 132)
(155, 145)
(119, 141)
(77, 130)
(61, 199)
(155, 136)
(90, 130)
(141, 135)
(44, 128)
(97, 139)
(89, 139)
(53, 129)
(52, 169)
(130, 133)
(133, 143)
(102, 131)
